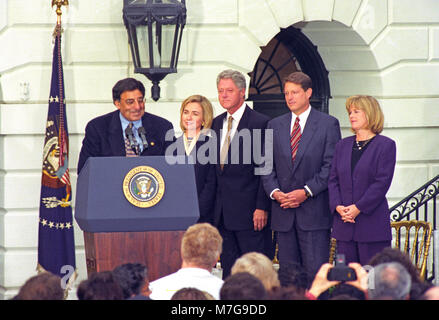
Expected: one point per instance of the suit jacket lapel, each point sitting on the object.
(116, 139)
(284, 137)
(243, 123)
(310, 128)
(146, 123)
(346, 153)
(344, 160)
(217, 127)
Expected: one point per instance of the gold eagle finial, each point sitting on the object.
(59, 4)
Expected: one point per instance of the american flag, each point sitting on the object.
(56, 245)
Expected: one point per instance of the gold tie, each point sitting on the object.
(225, 147)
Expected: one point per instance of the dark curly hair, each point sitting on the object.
(131, 277)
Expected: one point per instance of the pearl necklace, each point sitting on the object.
(362, 144)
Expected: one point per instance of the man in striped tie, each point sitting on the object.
(128, 131)
(303, 146)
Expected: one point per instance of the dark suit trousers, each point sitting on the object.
(237, 243)
(361, 252)
(308, 248)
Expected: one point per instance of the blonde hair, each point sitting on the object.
(372, 109)
(205, 105)
(201, 245)
(259, 266)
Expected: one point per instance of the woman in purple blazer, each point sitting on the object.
(361, 174)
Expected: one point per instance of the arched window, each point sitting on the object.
(290, 50)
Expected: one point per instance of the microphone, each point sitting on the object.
(133, 142)
(142, 133)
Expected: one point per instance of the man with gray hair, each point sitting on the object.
(241, 205)
(391, 281)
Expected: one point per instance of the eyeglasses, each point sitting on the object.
(130, 102)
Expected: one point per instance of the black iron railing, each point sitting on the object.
(417, 202)
(420, 205)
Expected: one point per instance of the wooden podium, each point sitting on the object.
(158, 250)
(116, 231)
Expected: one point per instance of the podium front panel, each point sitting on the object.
(101, 205)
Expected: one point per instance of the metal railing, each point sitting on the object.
(421, 205)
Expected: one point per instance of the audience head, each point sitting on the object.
(343, 291)
(286, 293)
(390, 281)
(344, 297)
(242, 286)
(418, 290)
(100, 286)
(44, 286)
(132, 278)
(191, 294)
(293, 274)
(201, 246)
(258, 265)
(395, 255)
(431, 294)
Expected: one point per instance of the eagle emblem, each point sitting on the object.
(143, 186)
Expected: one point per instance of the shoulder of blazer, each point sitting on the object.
(279, 119)
(155, 121)
(384, 139)
(108, 122)
(344, 143)
(256, 115)
(383, 143)
(105, 118)
(217, 122)
(349, 139)
(321, 116)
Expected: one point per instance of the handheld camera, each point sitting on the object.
(341, 272)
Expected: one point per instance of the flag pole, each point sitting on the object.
(56, 245)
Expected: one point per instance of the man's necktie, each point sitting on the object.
(225, 147)
(128, 150)
(295, 138)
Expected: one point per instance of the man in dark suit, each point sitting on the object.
(241, 206)
(303, 146)
(105, 136)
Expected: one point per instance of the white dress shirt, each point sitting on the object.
(237, 115)
(303, 117)
(164, 288)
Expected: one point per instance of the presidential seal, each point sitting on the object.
(143, 186)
